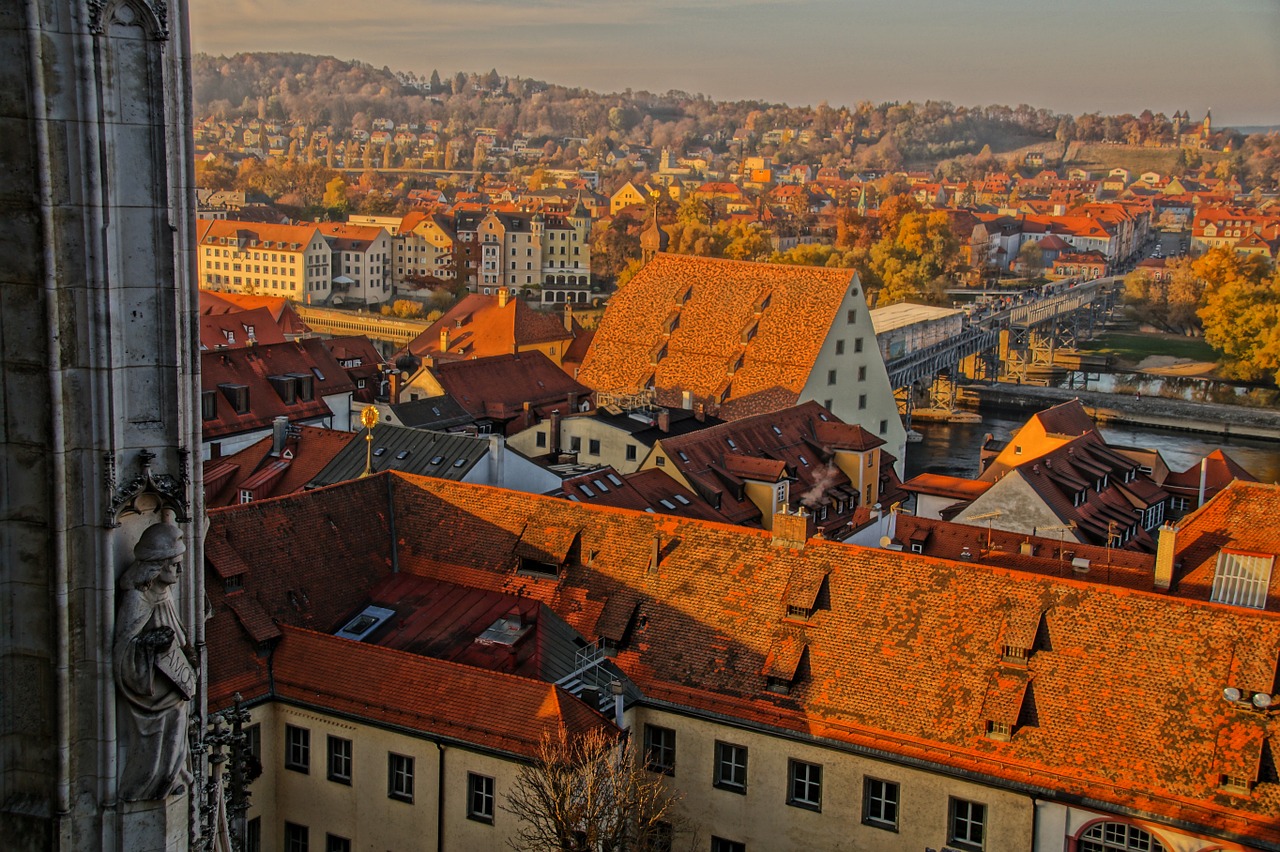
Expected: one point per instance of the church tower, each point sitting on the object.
(99, 510)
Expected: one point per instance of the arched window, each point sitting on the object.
(1118, 837)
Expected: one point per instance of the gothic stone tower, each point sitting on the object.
(97, 384)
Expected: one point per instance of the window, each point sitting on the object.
(400, 777)
(857, 344)
(1241, 579)
(851, 316)
(862, 402)
(297, 749)
(253, 835)
(575, 445)
(805, 790)
(839, 347)
(660, 749)
(719, 844)
(334, 843)
(540, 439)
(884, 426)
(479, 797)
(631, 452)
(731, 767)
(831, 377)
(340, 760)
(296, 838)
(862, 373)
(593, 447)
(1118, 837)
(966, 823)
(880, 803)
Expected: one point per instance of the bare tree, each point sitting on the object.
(589, 793)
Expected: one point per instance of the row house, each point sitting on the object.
(294, 261)
(361, 262)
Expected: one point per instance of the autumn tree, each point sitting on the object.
(1241, 313)
(590, 793)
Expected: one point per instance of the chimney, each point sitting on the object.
(502, 297)
(279, 431)
(497, 458)
(792, 530)
(444, 340)
(568, 318)
(664, 420)
(554, 438)
(1204, 475)
(655, 553)
(393, 394)
(686, 400)
(700, 412)
(1166, 543)
(573, 402)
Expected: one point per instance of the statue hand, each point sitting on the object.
(158, 638)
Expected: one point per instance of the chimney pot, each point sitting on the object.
(664, 420)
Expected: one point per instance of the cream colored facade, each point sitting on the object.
(850, 380)
(762, 818)
(598, 443)
(362, 811)
(293, 261)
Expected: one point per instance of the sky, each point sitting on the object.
(1108, 56)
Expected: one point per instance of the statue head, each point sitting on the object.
(159, 548)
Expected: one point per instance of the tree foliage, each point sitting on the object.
(589, 792)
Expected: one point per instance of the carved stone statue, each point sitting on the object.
(153, 674)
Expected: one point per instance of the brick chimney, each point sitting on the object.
(279, 434)
(664, 420)
(393, 390)
(444, 340)
(568, 317)
(792, 530)
(502, 297)
(1166, 543)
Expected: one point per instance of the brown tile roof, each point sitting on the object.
(1220, 470)
(253, 368)
(232, 330)
(309, 449)
(497, 387)
(946, 486)
(281, 309)
(744, 333)
(642, 491)
(902, 659)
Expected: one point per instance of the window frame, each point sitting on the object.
(336, 843)
(297, 837)
(725, 754)
(653, 749)
(400, 777)
(794, 767)
(297, 755)
(884, 801)
(476, 784)
(332, 754)
(955, 820)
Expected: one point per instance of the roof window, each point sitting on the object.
(403, 454)
(436, 460)
(615, 480)
(460, 463)
(667, 504)
(681, 499)
(379, 451)
(604, 489)
(586, 489)
(360, 627)
(1242, 579)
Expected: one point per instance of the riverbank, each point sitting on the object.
(1151, 412)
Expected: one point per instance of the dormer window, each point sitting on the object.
(1000, 731)
(1014, 655)
(1242, 579)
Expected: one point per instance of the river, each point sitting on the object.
(952, 448)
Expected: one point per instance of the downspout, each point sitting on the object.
(57, 458)
(1204, 475)
(439, 797)
(391, 523)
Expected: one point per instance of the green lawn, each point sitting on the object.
(1133, 347)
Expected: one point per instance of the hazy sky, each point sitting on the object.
(1067, 55)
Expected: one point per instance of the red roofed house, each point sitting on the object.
(279, 464)
(235, 330)
(292, 261)
(1191, 488)
(243, 391)
(483, 326)
(280, 308)
(413, 628)
(738, 339)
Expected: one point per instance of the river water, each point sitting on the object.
(953, 448)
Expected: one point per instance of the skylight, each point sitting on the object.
(436, 459)
(379, 451)
(732, 445)
(586, 489)
(604, 489)
(364, 624)
(667, 503)
(682, 456)
(777, 431)
(681, 499)
(615, 480)
(460, 463)
(402, 455)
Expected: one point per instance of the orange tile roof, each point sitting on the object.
(902, 660)
(215, 327)
(1241, 517)
(725, 344)
(479, 328)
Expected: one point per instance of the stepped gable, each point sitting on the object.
(726, 331)
(901, 652)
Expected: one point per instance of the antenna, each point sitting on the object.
(988, 517)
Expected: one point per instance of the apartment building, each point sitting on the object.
(362, 263)
(294, 261)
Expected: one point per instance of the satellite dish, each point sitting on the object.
(1262, 700)
(1230, 694)
(885, 541)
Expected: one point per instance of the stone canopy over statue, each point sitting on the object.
(153, 674)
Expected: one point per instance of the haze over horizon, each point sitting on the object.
(1088, 56)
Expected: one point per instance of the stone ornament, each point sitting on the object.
(126, 13)
(154, 677)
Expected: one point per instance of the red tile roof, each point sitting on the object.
(237, 330)
(281, 309)
(1219, 470)
(1241, 517)
(479, 328)
(904, 656)
(309, 449)
(738, 334)
(497, 387)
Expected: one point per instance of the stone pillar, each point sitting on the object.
(98, 377)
